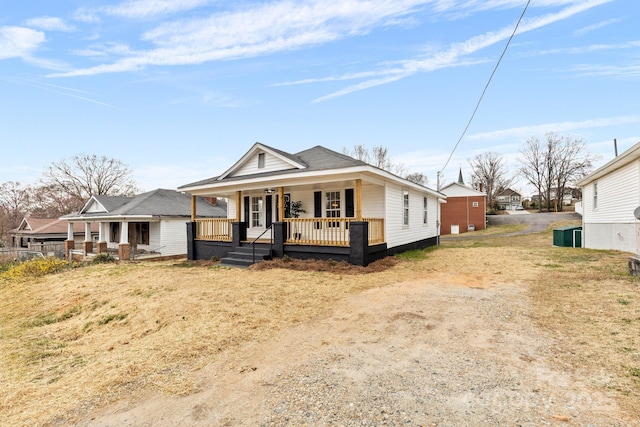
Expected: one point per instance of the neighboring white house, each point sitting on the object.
(610, 196)
(340, 196)
(150, 222)
(509, 200)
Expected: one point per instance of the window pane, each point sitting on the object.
(405, 218)
(256, 211)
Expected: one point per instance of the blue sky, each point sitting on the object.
(181, 89)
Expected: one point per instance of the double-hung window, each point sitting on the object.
(332, 206)
(405, 208)
(425, 211)
(256, 212)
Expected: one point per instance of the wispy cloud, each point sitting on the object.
(67, 92)
(620, 71)
(560, 127)
(590, 48)
(49, 23)
(452, 56)
(19, 42)
(147, 8)
(265, 29)
(584, 30)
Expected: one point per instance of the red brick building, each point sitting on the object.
(464, 211)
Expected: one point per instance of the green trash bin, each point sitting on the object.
(568, 237)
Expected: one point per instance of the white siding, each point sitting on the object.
(231, 207)
(373, 201)
(271, 163)
(618, 196)
(173, 236)
(396, 232)
(611, 224)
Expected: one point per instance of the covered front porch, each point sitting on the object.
(319, 220)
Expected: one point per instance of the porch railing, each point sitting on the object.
(218, 229)
(303, 231)
(329, 231)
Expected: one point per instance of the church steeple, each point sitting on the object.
(460, 180)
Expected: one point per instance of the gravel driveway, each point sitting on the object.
(452, 349)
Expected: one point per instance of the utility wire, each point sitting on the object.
(485, 89)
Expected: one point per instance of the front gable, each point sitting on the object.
(93, 206)
(260, 159)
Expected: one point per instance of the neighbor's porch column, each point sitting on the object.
(358, 191)
(87, 244)
(124, 247)
(193, 208)
(69, 244)
(103, 232)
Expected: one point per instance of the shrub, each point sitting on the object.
(103, 258)
(35, 268)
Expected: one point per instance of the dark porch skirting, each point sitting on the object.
(358, 253)
(420, 244)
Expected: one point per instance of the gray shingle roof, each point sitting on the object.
(158, 202)
(315, 158)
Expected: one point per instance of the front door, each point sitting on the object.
(268, 211)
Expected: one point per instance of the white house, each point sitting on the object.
(610, 196)
(152, 222)
(352, 211)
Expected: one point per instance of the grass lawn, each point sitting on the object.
(81, 338)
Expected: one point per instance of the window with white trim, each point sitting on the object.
(261, 160)
(405, 208)
(332, 206)
(595, 195)
(425, 211)
(256, 212)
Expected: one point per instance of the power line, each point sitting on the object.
(484, 90)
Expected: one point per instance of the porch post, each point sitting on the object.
(359, 243)
(124, 247)
(69, 244)
(193, 208)
(102, 237)
(279, 237)
(87, 244)
(238, 206)
(358, 191)
(191, 241)
(238, 233)
(280, 203)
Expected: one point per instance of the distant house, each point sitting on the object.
(152, 222)
(611, 195)
(46, 235)
(465, 209)
(351, 211)
(509, 200)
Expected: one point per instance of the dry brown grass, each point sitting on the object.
(92, 335)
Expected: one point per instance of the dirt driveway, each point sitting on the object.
(450, 349)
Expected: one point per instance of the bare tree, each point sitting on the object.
(86, 175)
(550, 166)
(489, 174)
(15, 203)
(534, 166)
(378, 156)
(418, 178)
